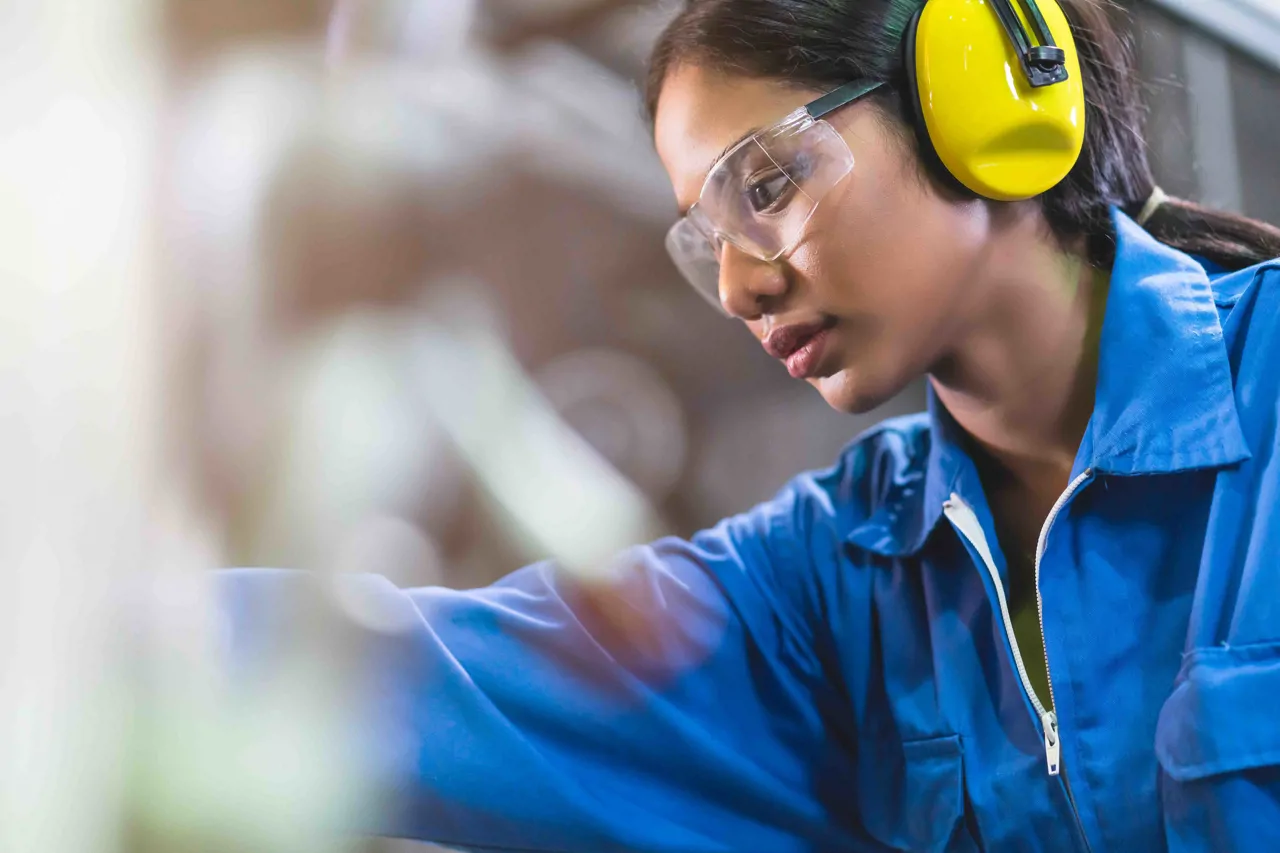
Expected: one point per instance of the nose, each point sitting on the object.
(748, 285)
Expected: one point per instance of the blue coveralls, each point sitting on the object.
(834, 669)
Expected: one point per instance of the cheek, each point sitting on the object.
(893, 249)
(901, 281)
(871, 267)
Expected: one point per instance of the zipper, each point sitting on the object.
(1065, 499)
(966, 523)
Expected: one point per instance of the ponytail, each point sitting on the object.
(1231, 241)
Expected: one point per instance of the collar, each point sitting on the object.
(1165, 401)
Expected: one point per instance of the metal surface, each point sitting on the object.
(1207, 67)
(1252, 26)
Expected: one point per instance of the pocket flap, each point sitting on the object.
(1224, 714)
(914, 800)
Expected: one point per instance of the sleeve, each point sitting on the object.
(682, 708)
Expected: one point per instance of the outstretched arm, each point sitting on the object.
(678, 709)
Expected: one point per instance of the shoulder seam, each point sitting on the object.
(1259, 272)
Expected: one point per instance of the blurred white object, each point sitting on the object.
(94, 504)
(236, 133)
(394, 547)
(79, 439)
(625, 410)
(358, 452)
(383, 130)
(420, 31)
(565, 500)
(279, 769)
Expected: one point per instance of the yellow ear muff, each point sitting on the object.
(992, 130)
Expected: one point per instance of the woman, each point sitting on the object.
(860, 664)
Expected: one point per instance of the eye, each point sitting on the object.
(768, 190)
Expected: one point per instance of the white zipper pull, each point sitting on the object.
(1052, 743)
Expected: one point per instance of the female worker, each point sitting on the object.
(1044, 616)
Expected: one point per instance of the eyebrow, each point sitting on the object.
(732, 145)
(684, 211)
(818, 109)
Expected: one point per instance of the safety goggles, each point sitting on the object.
(761, 195)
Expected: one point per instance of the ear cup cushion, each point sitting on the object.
(915, 111)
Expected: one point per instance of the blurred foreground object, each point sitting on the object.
(319, 209)
(118, 728)
(80, 436)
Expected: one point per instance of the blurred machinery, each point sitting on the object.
(322, 190)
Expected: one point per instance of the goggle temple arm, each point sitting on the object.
(842, 97)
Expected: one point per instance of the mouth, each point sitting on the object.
(800, 347)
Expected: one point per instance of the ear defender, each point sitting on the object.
(997, 92)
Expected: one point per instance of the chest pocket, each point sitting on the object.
(1218, 743)
(911, 795)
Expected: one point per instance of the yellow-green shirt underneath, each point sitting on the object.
(1026, 629)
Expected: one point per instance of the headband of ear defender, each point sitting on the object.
(998, 93)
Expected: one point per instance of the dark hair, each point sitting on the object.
(823, 44)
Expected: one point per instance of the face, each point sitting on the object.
(886, 276)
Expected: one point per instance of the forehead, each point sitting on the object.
(701, 112)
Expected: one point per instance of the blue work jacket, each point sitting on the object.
(835, 669)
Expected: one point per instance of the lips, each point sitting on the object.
(800, 346)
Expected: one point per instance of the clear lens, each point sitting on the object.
(760, 197)
(697, 257)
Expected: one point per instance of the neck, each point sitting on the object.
(1022, 380)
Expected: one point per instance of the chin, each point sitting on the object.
(855, 394)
